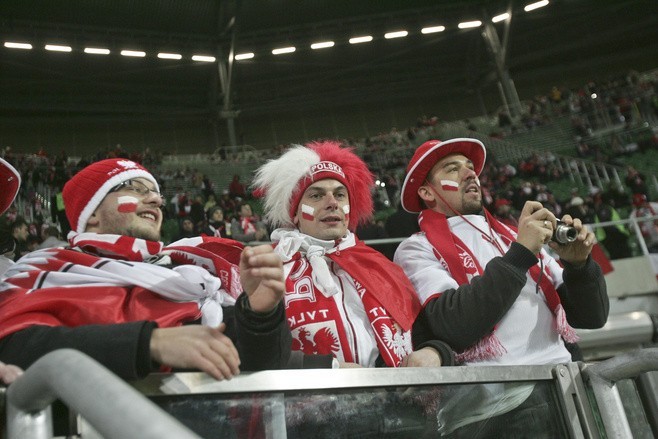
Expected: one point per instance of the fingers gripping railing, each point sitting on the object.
(110, 405)
(603, 377)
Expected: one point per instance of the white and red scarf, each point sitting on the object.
(388, 297)
(247, 225)
(463, 265)
(108, 279)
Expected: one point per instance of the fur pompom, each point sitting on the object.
(279, 180)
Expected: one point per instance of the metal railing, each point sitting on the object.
(603, 378)
(110, 405)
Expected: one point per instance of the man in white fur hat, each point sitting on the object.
(120, 296)
(344, 301)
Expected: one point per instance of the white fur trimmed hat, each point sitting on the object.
(282, 181)
(85, 191)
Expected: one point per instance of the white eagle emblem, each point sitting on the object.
(397, 341)
(467, 260)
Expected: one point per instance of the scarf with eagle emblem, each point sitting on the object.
(388, 297)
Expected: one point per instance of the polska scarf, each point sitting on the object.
(317, 324)
(463, 264)
(106, 279)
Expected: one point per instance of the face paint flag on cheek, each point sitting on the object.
(308, 213)
(346, 210)
(449, 185)
(127, 204)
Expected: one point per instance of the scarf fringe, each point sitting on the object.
(487, 348)
(563, 327)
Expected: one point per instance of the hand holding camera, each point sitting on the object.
(564, 233)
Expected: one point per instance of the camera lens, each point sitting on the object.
(564, 234)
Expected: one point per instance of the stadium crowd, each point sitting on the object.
(193, 200)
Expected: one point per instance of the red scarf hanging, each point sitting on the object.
(388, 297)
(461, 263)
(49, 291)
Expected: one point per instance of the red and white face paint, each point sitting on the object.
(308, 212)
(449, 185)
(127, 204)
(346, 210)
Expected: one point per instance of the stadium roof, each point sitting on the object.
(566, 42)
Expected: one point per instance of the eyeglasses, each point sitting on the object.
(137, 187)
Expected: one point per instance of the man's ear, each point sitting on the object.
(425, 194)
(93, 220)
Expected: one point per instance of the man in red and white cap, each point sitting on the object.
(120, 296)
(490, 290)
(11, 183)
(344, 300)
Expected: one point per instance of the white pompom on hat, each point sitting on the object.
(85, 191)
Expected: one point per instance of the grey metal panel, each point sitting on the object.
(311, 379)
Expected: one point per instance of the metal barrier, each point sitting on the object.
(335, 401)
(603, 378)
(284, 400)
(110, 405)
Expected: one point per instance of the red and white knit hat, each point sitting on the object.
(85, 191)
(11, 183)
(424, 159)
(282, 181)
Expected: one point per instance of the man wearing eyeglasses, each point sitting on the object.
(120, 296)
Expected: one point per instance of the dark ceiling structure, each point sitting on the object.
(566, 42)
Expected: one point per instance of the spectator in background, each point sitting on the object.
(211, 201)
(577, 208)
(236, 188)
(217, 225)
(247, 227)
(197, 213)
(503, 212)
(636, 181)
(227, 204)
(614, 237)
(20, 232)
(187, 228)
(645, 208)
(52, 238)
(32, 242)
